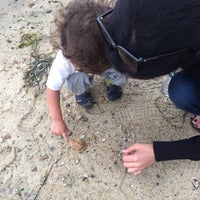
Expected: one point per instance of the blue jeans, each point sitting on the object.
(184, 92)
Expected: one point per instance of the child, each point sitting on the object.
(81, 55)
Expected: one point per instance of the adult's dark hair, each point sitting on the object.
(78, 36)
(150, 27)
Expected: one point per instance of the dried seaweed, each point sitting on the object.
(39, 65)
(30, 39)
(38, 70)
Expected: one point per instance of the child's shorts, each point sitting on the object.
(80, 82)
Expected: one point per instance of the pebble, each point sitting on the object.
(62, 163)
(34, 169)
(85, 119)
(9, 41)
(195, 183)
(31, 5)
(2, 140)
(104, 122)
(6, 136)
(77, 161)
(71, 133)
(63, 179)
(51, 147)
(30, 156)
(44, 157)
(85, 178)
(19, 150)
(48, 11)
(68, 105)
(82, 137)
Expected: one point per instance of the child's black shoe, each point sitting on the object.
(114, 92)
(84, 100)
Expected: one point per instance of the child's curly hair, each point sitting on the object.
(78, 35)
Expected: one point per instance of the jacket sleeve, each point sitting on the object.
(175, 150)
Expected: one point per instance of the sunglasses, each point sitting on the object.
(131, 61)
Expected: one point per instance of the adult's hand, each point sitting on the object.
(196, 122)
(59, 128)
(138, 157)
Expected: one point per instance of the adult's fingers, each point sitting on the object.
(134, 171)
(129, 158)
(129, 149)
(131, 164)
(137, 172)
(131, 170)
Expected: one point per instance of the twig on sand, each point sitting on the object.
(47, 175)
(122, 181)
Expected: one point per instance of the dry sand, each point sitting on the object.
(34, 165)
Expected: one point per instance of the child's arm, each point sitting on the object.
(58, 126)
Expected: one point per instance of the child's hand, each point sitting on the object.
(58, 127)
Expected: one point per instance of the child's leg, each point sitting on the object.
(114, 81)
(115, 77)
(79, 83)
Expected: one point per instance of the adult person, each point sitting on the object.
(146, 39)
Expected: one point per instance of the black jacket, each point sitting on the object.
(151, 27)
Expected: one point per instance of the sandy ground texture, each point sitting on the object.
(34, 165)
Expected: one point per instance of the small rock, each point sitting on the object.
(71, 133)
(63, 179)
(105, 122)
(77, 161)
(85, 119)
(68, 105)
(19, 150)
(92, 176)
(85, 178)
(48, 11)
(34, 169)
(9, 41)
(51, 148)
(195, 183)
(6, 136)
(2, 140)
(44, 157)
(31, 5)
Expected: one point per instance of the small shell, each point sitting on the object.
(195, 183)
(102, 98)
(78, 145)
